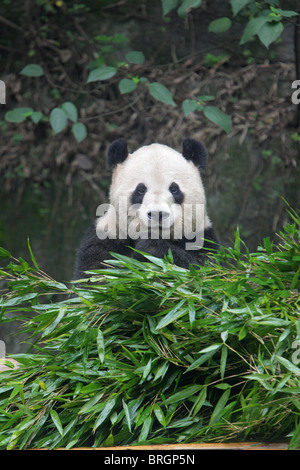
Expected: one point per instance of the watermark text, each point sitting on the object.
(2, 92)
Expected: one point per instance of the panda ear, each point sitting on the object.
(117, 152)
(195, 151)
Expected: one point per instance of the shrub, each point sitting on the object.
(157, 353)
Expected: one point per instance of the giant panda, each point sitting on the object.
(157, 204)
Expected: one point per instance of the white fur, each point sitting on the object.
(157, 166)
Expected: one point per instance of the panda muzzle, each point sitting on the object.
(158, 217)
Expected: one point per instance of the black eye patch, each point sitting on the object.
(138, 194)
(176, 193)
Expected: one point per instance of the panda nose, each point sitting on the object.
(158, 216)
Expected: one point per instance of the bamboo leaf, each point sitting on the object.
(159, 415)
(127, 415)
(219, 408)
(223, 361)
(100, 346)
(183, 394)
(172, 315)
(288, 365)
(105, 413)
(145, 429)
(57, 422)
(203, 358)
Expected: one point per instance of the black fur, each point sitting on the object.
(181, 257)
(176, 193)
(195, 151)
(138, 194)
(93, 251)
(117, 152)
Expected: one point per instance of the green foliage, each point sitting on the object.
(220, 25)
(157, 353)
(212, 113)
(265, 20)
(102, 73)
(161, 93)
(59, 118)
(114, 61)
(183, 6)
(32, 70)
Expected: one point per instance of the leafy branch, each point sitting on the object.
(155, 353)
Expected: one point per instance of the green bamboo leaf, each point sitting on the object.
(219, 408)
(202, 359)
(288, 365)
(243, 332)
(127, 415)
(147, 369)
(105, 413)
(60, 314)
(4, 253)
(159, 415)
(199, 401)
(90, 404)
(295, 280)
(161, 371)
(183, 394)
(56, 420)
(192, 312)
(172, 315)
(211, 348)
(145, 429)
(20, 299)
(32, 255)
(223, 361)
(100, 346)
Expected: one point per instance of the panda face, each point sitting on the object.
(156, 209)
(155, 184)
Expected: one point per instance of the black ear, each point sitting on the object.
(117, 152)
(195, 151)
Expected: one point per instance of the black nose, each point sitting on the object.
(158, 216)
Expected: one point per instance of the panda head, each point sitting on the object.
(155, 189)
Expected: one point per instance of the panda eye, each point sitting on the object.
(141, 189)
(174, 188)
